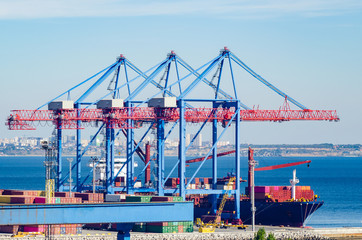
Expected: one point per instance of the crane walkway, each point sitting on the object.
(125, 214)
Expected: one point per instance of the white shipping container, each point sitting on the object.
(58, 105)
(110, 103)
(228, 187)
(165, 102)
(113, 198)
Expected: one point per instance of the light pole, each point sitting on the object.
(94, 160)
(252, 164)
(70, 180)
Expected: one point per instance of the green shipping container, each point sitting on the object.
(175, 229)
(139, 227)
(178, 199)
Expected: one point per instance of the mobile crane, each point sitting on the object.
(210, 226)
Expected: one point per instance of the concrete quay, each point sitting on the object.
(280, 233)
(340, 233)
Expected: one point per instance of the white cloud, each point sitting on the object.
(27, 9)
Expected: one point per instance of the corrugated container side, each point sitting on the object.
(164, 224)
(9, 229)
(34, 228)
(54, 229)
(5, 199)
(22, 199)
(61, 194)
(161, 199)
(113, 198)
(177, 199)
(13, 192)
(79, 230)
(40, 200)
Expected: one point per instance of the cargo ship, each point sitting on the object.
(273, 207)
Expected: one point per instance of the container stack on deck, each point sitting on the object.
(282, 193)
(201, 183)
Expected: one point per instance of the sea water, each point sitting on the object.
(337, 180)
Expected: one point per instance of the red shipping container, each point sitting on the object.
(101, 197)
(22, 200)
(94, 225)
(163, 224)
(61, 194)
(31, 193)
(9, 229)
(40, 200)
(13, 192)
(174, 182)
(161, 199)
(197, 180)
(259, 189)
(34, 228)
(180, 229)
(55, 229)
(84, 196)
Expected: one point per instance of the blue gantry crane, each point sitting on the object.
(163, 98)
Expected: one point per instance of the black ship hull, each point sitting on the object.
(292, 214)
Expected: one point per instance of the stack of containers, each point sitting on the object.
(304, 192)
(168, 227)
(172, 182)
(90, 197)
(159, 227)
(207, 183)
(282, 193)
(120, 181)
(164, 227)
(38, 197)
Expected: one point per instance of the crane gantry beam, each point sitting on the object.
(24, 119)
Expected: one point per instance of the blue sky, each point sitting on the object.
(310, 49)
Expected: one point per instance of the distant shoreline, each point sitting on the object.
(292, 155)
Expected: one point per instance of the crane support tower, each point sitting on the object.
(166, 99)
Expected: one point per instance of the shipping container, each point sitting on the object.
(14, 229)
(138, 198)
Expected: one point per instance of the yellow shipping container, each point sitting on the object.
(5, 199)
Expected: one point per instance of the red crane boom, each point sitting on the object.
(117, 117)
(282, 166)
